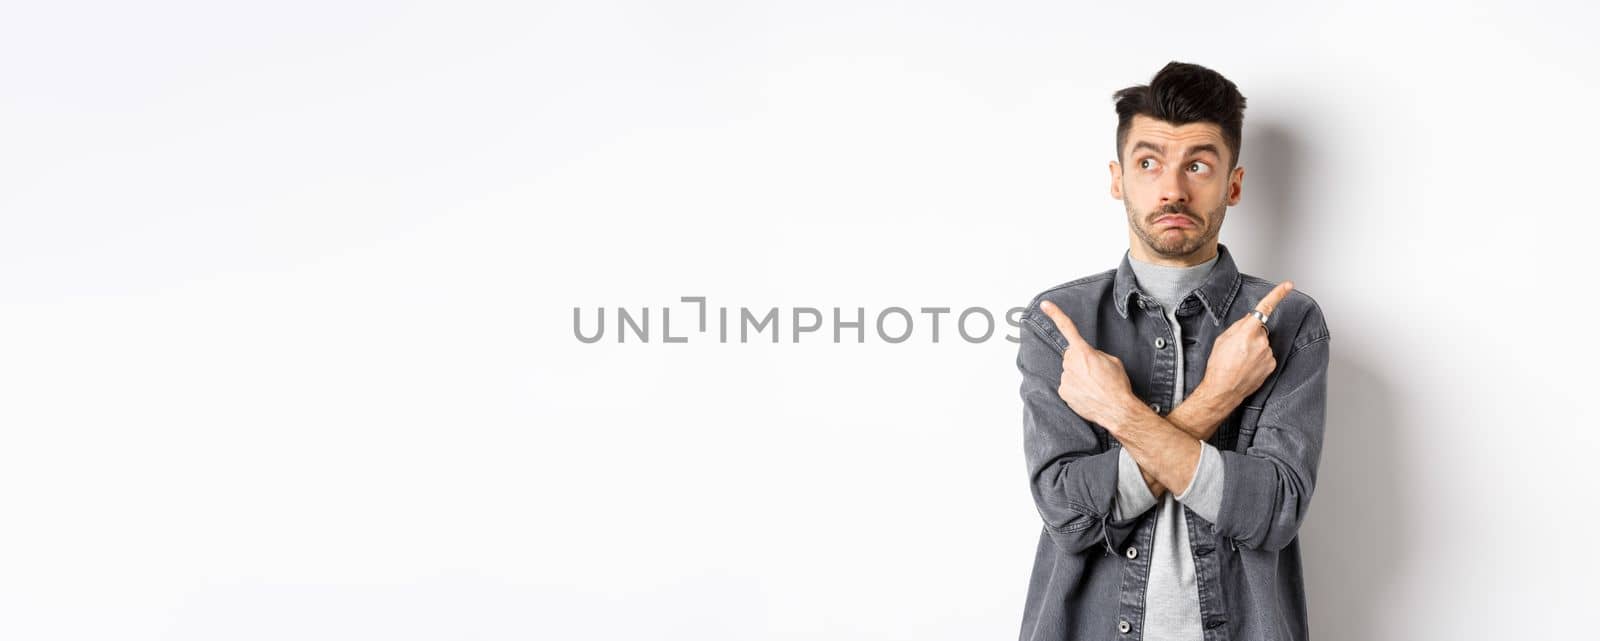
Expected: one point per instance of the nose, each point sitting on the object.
(1174, 189)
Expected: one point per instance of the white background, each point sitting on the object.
(286, 345)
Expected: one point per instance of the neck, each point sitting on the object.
(1140, 252)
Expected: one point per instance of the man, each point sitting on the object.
(1172, 407)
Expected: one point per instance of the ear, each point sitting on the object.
(1235, 186)
(1116, 180)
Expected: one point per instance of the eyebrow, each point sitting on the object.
(1161, 149)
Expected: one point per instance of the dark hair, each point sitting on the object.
(1182, 93)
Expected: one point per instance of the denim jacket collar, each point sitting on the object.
(1217, 292)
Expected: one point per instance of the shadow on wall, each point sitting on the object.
(1355, 538)
(1356, 534)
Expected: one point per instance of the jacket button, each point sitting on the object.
(1133, 552)
(1160, 342)
(1156, 407)
(1123, 627)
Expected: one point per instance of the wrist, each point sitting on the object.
(1127, 410)
(1215, 401)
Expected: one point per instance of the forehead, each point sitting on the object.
(1174, 138)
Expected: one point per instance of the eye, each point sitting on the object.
(1199, 167)
(1146, 163)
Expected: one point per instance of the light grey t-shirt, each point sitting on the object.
(1172, 597)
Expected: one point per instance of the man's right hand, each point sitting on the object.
(1241, 358)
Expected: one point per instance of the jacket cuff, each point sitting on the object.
(1133, 495)
(1248, 499)
(1204, 494)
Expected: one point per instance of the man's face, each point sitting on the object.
(1174, 182)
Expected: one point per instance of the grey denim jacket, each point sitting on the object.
(1090, 570)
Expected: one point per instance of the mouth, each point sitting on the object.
(1175, 220)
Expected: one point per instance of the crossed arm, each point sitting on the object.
(1074, 479)
(1168, 449)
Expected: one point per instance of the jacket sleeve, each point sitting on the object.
(1073, 482)
(1268, 487)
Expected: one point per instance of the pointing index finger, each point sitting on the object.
(1063, 323)
(1271, 300)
